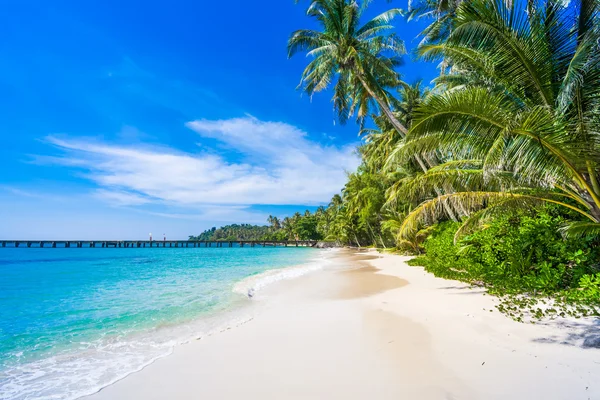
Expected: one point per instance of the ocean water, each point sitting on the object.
(75, 320)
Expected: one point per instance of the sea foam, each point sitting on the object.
(107, 313)
(252, 284)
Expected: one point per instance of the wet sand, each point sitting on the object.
(365, 281)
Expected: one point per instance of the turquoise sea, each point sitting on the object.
(74, 320)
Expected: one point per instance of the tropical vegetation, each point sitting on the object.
(232, 232)
(492, 171)
(297, 227)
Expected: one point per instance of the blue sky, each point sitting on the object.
(120, 118)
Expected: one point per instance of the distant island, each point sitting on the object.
(307, 226)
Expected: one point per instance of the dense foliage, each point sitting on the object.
(514, 119)
(511, 123)
(233, 232)
(298, 227)
(503, 152)
(491, 173)
(516, 251)
(519, 253)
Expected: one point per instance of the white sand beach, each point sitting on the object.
(371, 327)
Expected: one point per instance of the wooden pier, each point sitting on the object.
(153, 243)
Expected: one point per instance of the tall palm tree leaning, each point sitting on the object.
(527, 129)
(361, 58)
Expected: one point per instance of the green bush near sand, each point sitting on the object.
(519, 254)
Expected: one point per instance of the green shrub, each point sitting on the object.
(442, 257)
(518, 254)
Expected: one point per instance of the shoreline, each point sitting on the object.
(368, 325)
(77, 372)
(233, 315)
(254, 283)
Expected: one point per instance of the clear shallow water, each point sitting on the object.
(74, 320)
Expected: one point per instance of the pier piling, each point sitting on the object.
(149, 243)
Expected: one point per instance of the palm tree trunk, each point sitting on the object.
(385, 109)
(356, 239)
(373, 236)
(593, 177)
(382, 242)
(403, 132)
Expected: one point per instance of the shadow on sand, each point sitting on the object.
(585, 333)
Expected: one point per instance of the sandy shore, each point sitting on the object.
(371, 327)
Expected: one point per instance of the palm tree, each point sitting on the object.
(336, 201)
(412, 243)
(441, 13)
(288, 227)
(339, 223)
(381, 142)
(525, 130)
(274, 222)
(382, 145)
(364, 195)
(361, 59)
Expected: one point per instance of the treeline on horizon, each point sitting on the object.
(326, 223)
(491, 172)
(297, 227)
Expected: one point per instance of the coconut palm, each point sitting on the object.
(274, 222)
(361, 60)
(342, 224)
(364, 195)
(525, 128)
(441, 13)
(287, 224)
(380, 143)
(412, 243)
(381, 147)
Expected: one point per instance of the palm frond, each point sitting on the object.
(580, 229)
(430, 211)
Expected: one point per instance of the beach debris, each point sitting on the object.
(251, 292)
(483, 363)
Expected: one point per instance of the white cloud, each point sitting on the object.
(117, 197)
(224, 214)
(280, 165)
